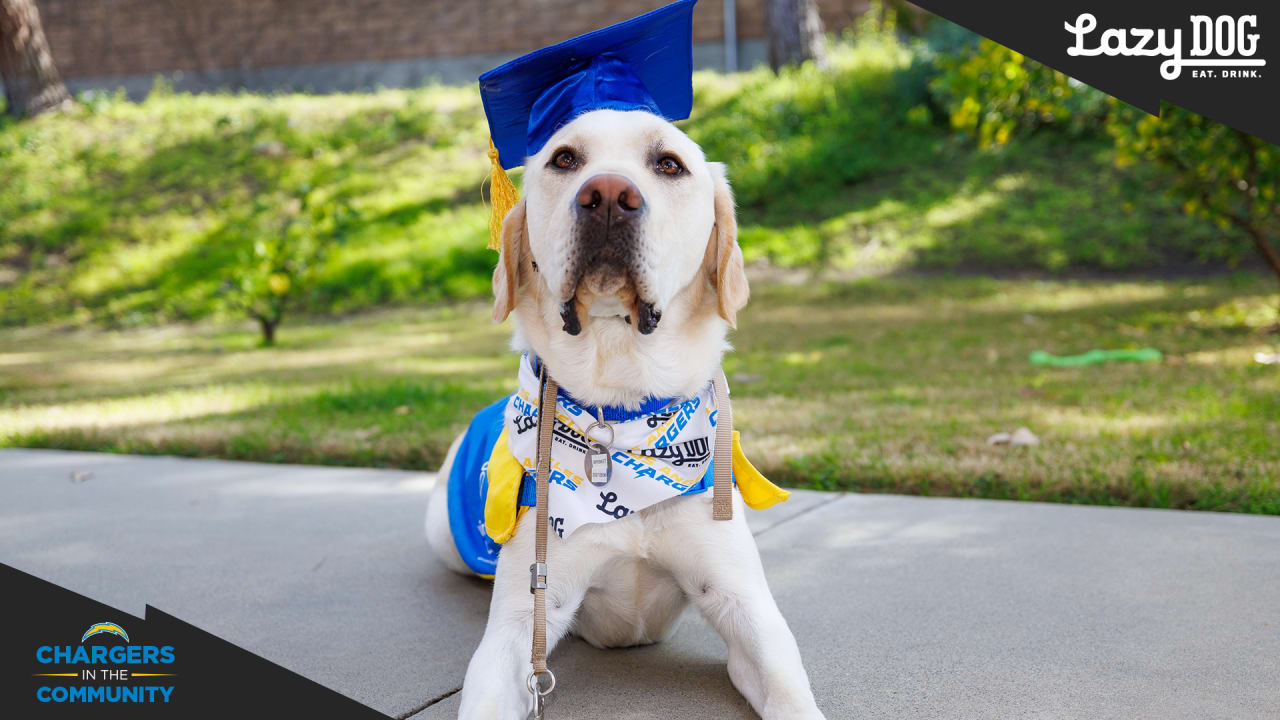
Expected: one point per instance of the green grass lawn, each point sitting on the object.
(889, 384)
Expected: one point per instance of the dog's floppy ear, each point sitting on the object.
(510, 274)
(723, 260)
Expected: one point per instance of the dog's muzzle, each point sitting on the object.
(608, 211)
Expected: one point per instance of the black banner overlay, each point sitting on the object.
(65, 655)
(1217, 58)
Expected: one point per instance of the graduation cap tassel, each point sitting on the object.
(503, 194)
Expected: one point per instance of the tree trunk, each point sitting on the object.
(268, 330)
(31, 82)
(1265, 249)
(1251, 226)
(795, 32)
(1273, 261)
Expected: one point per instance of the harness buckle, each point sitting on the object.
(537, 576)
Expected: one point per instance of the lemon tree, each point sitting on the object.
(283, 262)
(1223, 175)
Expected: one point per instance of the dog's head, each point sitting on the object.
(621, 263)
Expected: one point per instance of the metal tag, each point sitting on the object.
(599, 465)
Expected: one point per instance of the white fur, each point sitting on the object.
(626, 582)
(439, 534)
(610, 363)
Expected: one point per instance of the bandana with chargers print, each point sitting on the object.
(655, 456)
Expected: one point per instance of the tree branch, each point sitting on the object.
(1245, 222)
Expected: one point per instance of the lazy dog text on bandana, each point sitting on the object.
(655, 457)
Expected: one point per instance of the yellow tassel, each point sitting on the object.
(503, 193)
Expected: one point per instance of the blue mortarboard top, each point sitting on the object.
(645, 63)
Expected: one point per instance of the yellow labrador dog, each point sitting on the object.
(622, 269)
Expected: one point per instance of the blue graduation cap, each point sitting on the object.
(645, 63)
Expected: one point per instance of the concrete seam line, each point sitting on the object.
(429, 703)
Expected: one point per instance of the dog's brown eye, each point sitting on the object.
(565, 160)
(668, 165)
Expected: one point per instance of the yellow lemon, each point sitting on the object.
(278, 283)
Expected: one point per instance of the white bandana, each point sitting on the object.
(655, 457)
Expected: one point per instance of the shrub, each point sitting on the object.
(808, 126)
(1223, 175)
(290, 244)
(994, 94)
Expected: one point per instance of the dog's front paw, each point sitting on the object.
(494, 703)
(793, 714)
(792, 709)
(492, 710)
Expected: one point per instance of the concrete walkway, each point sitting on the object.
(903, 607)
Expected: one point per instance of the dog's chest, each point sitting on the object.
(641, 533)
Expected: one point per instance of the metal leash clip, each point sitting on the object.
(540, 694)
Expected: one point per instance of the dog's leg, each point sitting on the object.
(718, 566)
(495, 685)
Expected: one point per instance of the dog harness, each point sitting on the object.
(660, 451)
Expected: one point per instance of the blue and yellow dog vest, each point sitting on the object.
(489, 488)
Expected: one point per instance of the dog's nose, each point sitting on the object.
(609, 195)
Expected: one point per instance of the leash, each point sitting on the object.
(538, 570)
(721, 492)
(721, 509)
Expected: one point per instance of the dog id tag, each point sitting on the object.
(599, 464)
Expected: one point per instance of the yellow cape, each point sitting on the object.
(502, 510)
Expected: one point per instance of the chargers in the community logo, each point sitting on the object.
(104, 670)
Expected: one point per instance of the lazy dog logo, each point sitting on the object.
(1221, 47)
(101, 669)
